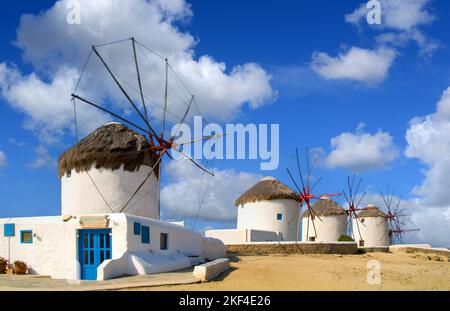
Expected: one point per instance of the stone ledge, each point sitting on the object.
(209, 271)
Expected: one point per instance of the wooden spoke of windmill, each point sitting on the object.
(305, 191)
(394, 215)
(159, 145)
(353, 202)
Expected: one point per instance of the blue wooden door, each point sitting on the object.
(94, 246)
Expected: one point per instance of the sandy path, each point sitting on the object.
(330, 272)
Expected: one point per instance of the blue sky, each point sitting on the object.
(305, 51)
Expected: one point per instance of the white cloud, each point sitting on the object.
(46, 104)
(369, 66)
(188, 188)
(2, 159)
(429, 141)
(55, 48)
(43, 158)
(426, 45)
(396, 14)
(362, 151)
(402, 19)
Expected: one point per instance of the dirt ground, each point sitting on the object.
(399, 271)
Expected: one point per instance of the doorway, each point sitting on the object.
(94, 247)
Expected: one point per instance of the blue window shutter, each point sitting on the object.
(137, 228)
(8, 230)
(145, 234)
(279, 216)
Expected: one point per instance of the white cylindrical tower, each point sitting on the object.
(372, 228)
(270, 206)
(332, 226)
(100, 174)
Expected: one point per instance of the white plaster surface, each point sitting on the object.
(262, 215)
(374, 232)
(211, 270)
(233, 236)
(329, 229)
(79, 195)
(54, 251)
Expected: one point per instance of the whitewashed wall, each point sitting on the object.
(328, 230)
(374, 233)
(262, 215)
(79, 195)
(237, 236)
(54, 250)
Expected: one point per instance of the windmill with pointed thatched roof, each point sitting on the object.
(110, 197)
(333, 222)
(156, 145)
(306, 191)
(375, 231)
(269, 206)
(117, 159)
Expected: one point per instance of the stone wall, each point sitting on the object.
(292, 248)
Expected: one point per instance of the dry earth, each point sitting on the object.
(399, 271)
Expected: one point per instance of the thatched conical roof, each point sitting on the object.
(371, 211)
(267, 189)
(110, 146)
(325, 207)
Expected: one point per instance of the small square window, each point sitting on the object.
(279, 216)
(8, 230)
(145, 234)
(69, 174)
(137, 228)
(312, 238)
(164, 237)
(26, 236)
(361, 243)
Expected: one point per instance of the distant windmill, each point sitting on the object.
(353, 202)
(394, 214)
(305, 192)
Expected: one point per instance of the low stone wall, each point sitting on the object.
(425, 250)
(267, 248)
(375, 249)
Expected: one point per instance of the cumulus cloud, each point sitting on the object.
(46, 104)
(426, 45)
(360, 151)
(193, 194)
(396, 14)
(57, 50)
(42, 159)
(402, 20)
(2, 159)
(363, 65)
(429, 142)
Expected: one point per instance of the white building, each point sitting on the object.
(373, 227)
(104, 231)
(268, 211)
(331, 226)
